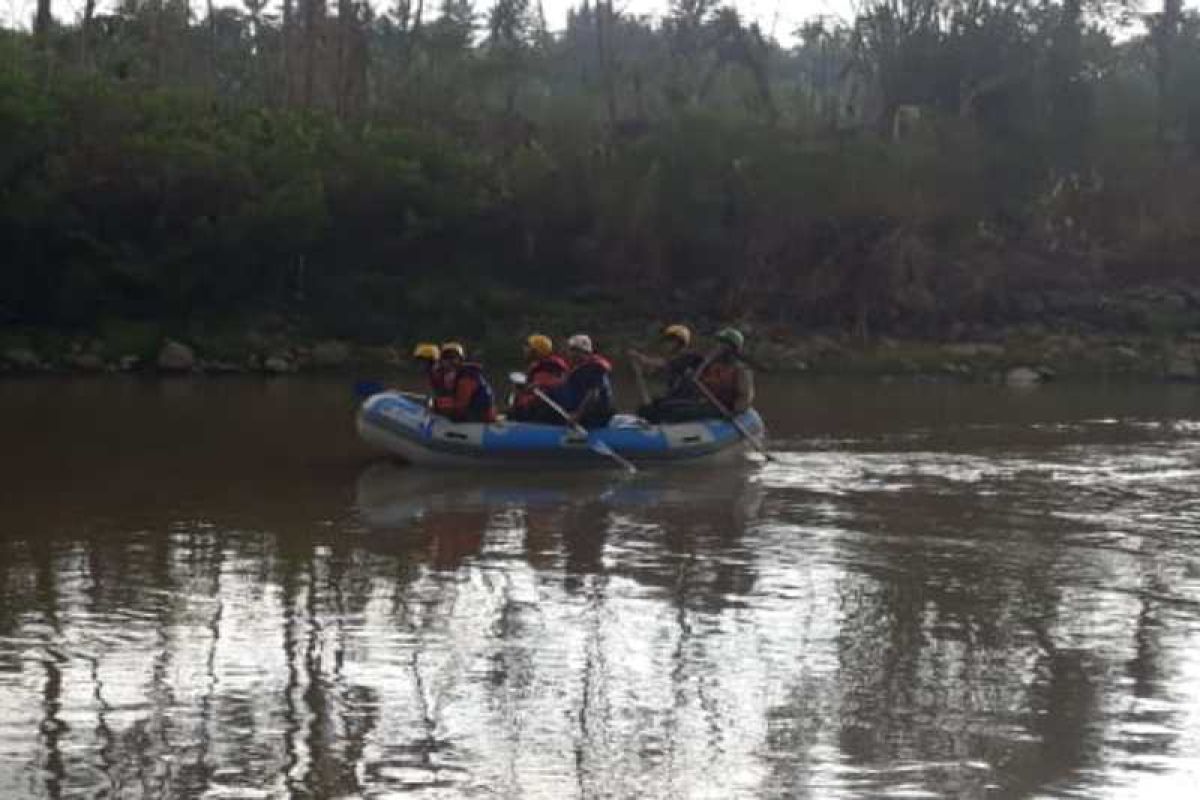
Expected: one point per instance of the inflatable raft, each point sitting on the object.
(401, 425)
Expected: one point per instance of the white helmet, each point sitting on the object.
(581, 342)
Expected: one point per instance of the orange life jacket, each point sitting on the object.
(723, 379)
(463, 395)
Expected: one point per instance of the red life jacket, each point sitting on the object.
(547, 371)
(545, 374)
(723, 379)
(441, 379)
(589, 377)
(597, 359)
(463, 395)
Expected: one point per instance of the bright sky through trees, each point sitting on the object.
(780, 17)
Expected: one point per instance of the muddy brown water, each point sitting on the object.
(210, 589)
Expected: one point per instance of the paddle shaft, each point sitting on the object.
(737, 424)
(641, 380)
(597, 447)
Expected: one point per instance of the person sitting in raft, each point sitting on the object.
(425, 356)
(676, 365)
(460, 391)
(587, 393)
(725, 375)
(546, 370)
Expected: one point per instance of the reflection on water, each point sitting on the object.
(208, 590)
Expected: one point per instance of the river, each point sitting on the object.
(210, 589)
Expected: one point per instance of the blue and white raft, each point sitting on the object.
(403, 426)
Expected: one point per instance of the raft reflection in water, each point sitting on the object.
(449, 513)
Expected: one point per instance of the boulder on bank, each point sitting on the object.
(22, 358)
(1181, 365)
(218, 367)
(974, 350)
(1023, 376)
(278, 365)
(176, 357)
(87, 362)
(330, 354)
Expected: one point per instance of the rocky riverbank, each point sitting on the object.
(1018, 356)
(1138, 334)
(174, 357)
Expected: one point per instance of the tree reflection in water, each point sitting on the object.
(674, 635)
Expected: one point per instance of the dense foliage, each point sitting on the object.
(929, 163)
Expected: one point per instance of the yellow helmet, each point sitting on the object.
(540, 345)
(454, 347)
(680, 332)
(426, 350)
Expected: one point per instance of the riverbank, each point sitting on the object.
(1015, 355)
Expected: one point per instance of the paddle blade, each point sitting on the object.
(366, 388)
(603, 449)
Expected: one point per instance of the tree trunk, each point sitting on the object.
(342, 84)
(1164, 44)
(603, 20)
(85, 33)
(157, 46)
(41, 26)
(314, 17)
(212, 47)
(286, 54)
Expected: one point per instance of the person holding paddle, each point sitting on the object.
(546, 370)
(460, 392)
(675, 365)
(586, 394)
(725, 378)
(425, 356)
(727, 384)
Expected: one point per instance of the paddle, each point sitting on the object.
(368, 388)
(752, 363)
(598, 447)
(725, 412)
(641, 379)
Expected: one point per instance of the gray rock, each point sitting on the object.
(87, 362)
(1181, 366)
(176, 357)
(222, 367)
(1126, 353)
(278, 365)
(823, 346)
(22, 358)
(1023, 376)
(974, 350)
